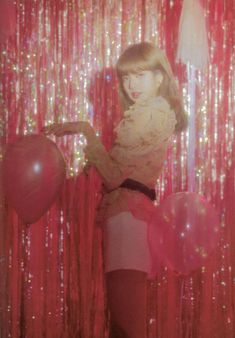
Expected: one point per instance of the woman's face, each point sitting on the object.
(142, 84)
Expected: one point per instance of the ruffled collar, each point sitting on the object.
(141, 104)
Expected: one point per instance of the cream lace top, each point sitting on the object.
(138, 152)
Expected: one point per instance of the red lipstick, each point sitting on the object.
(135, 95)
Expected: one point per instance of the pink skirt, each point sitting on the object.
(126, 243)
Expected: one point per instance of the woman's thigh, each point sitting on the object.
(125, 244)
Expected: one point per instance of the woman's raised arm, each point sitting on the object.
(96, 154)
(68, 128)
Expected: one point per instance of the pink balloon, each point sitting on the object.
(183, 232)
(33, 174)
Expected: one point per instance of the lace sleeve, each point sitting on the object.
(142, 133)
(109, 169)
(146, 128)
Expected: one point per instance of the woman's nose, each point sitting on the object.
(132, 82)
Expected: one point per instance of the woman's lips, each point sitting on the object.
(135, 95)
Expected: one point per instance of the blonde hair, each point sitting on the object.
(145, 56)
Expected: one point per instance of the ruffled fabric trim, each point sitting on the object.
(122, 199)
(146, 126)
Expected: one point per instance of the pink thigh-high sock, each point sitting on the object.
(126, 294)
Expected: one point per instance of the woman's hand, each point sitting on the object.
(79, 127)
(68, 128)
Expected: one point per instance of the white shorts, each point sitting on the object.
(125, 243)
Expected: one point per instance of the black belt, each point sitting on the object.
(135, 185)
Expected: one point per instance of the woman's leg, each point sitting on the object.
(126, 294)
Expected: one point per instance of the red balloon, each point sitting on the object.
(33, 174)
(183, 232)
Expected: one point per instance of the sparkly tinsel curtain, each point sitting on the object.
(58, 66)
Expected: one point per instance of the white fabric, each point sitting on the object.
(192, 40)
(125, 243)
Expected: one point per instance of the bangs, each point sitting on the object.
(136, 58)
(133, 66)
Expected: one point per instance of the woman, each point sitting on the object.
(153, 111)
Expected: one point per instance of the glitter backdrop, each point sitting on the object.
(58, 66)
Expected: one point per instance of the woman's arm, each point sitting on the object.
(95, 152)
(68, 128)
(110, 171)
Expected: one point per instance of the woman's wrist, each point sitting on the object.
(88, 131)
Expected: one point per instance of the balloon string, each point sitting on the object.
(191, 130)
(181, 307)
